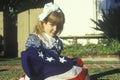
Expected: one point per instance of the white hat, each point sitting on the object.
(48, 8)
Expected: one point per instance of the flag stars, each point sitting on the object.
(40, 54)
(50, 59)
(62, 59)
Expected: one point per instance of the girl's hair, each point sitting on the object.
(54, 17)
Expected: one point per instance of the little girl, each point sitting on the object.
(42, 60)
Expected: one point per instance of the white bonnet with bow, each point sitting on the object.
(48, 8)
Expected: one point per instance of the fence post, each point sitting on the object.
(23, 30)
(74, 40)
(26, 23)
(1, 23)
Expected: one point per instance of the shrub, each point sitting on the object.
(109, 24)
(104, 47)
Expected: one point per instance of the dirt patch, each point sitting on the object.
(11, 67)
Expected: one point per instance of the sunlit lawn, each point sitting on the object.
(11, 69)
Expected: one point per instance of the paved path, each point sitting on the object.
(101, 59)
(102, 65)
(85, 65)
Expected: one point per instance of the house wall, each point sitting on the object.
(78, 14)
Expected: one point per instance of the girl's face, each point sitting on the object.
(50, 28)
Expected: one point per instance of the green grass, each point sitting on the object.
(107, 73)
(10, 74)
(10, 62)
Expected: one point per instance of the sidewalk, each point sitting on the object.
(100, 59)
(102, 65)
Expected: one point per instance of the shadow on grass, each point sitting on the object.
(1, 70)
(4, 59)
(110, 72)
(9, 59)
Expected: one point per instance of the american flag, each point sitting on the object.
(46, 65)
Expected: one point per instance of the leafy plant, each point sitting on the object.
(104, 47)
(110, 23)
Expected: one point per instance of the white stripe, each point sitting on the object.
(25, 78)
(73, 72)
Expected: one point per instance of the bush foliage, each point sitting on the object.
(104, 47)
(109, 24)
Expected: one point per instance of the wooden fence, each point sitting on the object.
(26, 22)
(1, 23)
(75, 38)
(1, 33)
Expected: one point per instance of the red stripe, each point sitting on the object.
(16, 79)
(81, 75)
(23, 76)
(79, 62)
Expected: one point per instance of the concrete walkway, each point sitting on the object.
(101, 59)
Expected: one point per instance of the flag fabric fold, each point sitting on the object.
(46, 65)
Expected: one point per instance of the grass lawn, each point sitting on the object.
(11, 69)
